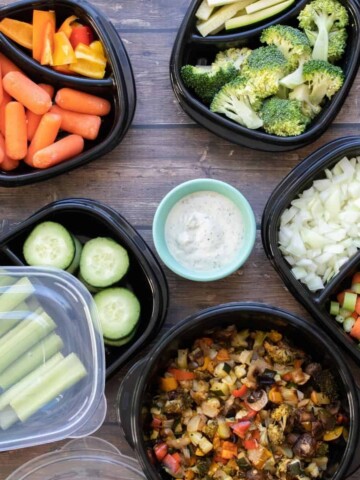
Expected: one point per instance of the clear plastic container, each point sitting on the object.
(86, 459)
(52, 363)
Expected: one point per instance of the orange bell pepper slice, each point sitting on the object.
(19, 32)
(48, 46)
(63, 52)
(40, 20)
(68, 25)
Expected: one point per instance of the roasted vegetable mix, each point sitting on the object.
(283, 85)
(242, 404)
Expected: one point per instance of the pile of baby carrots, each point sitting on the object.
(30, 122)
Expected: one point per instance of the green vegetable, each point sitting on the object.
(231, 57)
(217, 20)
(350, 301)
(348, 324)
(238, 101)
(9, 320)
(31, 359)
(261, 5)
(355, 287)
(302, 94)
(48, 386)
(283, 117)
(244, 20)
(204, 11)
(321, 17)
(337, 43)
(334, 308)
(77, 255)
(15, 294)
(323, 79)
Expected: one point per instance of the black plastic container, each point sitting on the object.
(138, 384)
(118, 86)
(189, 47)
(88, 219)
(300, 178)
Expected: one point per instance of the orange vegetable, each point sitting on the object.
(79, 123)
(167, 384)
(250, 444)
(45, 135)
(33, 121)
(222, 355)
(15, 131)
(82, 102)
(1, 88)
(229, 450)
(89, 62)
(48, 45)
(19, 32)
(27, 92)
(181, 375)
(6, 164)
(63, 69)
(40, 21)
(240, 392)
(48, 88)
(355, 278)
(81, 34)
(355, 331)
(274, 395)
(7, 65)
(66, 26)
(63, 51)
(340, 296)
(357, 306)
(5, 101)
(59, 151)
(98, 47)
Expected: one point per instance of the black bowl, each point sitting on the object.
(88, 219)
(189, 47)
(137, 386)
(301, 177)
(118, 86)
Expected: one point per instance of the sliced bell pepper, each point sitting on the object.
(48, 45)
(229, 450)
(250, 444)
(88, 69)
(63, 69)
(84, 52)
(240, 392)
(19, 32)
(333, 434)
(167, 384)
(181, 375)
(222, 355)
(40, 21)
(68, 25)
(172, 463)
(156, 423)
(251, 413)
(63, 51)
(82, 34)
(241, 428)
(160, 450)
(98, 47)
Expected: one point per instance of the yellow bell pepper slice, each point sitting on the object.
(85, 52)
(167, 384)
(98, 47)
(88, 69)
(63, 52)
(68, 25)
(48, 47)
(40, 21)
(333, 434)
(19, 32)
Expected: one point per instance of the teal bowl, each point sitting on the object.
(194, 186)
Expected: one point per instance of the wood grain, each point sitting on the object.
(163, 148)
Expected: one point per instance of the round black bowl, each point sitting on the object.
(189, 47)
(118, 86)
(136, 388)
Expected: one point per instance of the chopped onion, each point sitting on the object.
(320, 231)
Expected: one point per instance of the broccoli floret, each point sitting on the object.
(206, 81)
(293, 43)
(322, 449)
(281, 414)
(302, 94)
(325, 383)
(337, 43)
(283, 118)
(279, 353)
(265, 67)
(323, 17)
(275, 434)
(323, 79)
(234, 56)
(238, 101)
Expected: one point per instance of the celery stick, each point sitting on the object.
(6, 280)
(204, 11)
(220, 3)
(260, 5)
(219, 18)
(334, 308)
(355, 287)
(31, 359)
(15, 294)
(14, 331)
(48, 386)
(37, 329)
(244, 20)
(349, 301)
(9, 320)
(7, 418)
(32, 377)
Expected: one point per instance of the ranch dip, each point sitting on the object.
(204, 231)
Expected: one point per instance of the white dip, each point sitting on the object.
(204, 231)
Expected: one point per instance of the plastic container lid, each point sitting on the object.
(90, 459)
(52, 367)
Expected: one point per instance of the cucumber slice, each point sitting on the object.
(87, 285)
(119, 312)
(76, 260)
(49, 245)
(103, 262)
(121, 341)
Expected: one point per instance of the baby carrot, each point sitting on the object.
(59, 151)
(87, 126)
(33, 119)
(6, 164)
(7, 65)
(81, 102)
(1, 87)
(5, 101)
(27, 92)
(48, 88)
(45, 135)
(15, 131)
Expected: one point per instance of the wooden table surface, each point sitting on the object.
(163, 148)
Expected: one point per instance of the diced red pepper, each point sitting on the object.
(251, 413)
(181, 375)
(241, 428)
(250, 444)
(219, 459)
(161, 450)
(240, 392)
(82, 34)
(171, 463)
(156, 423)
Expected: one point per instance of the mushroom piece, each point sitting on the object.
(257, 400)
(254, 474)
(305, 447)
